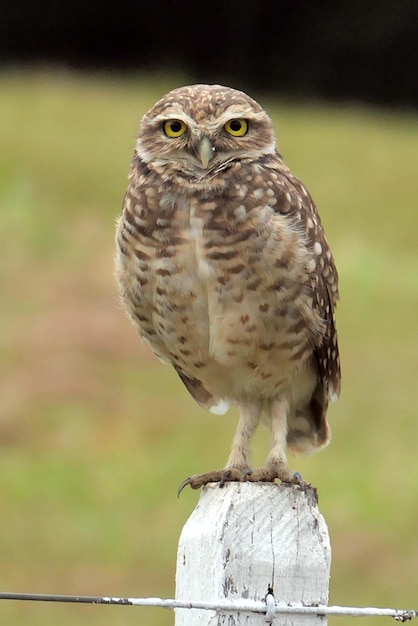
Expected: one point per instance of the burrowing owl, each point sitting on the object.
(225, 270)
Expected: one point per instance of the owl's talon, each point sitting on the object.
(245, 473)
(186, 481)
(226, 476)
(298, 479)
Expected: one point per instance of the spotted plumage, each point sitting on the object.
(225, 270)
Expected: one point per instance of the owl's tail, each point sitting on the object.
(308, 430)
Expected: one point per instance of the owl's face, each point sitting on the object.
(196, 132)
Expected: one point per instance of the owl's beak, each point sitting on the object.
(206, 151)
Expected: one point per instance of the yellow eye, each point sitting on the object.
(237, 127)
(174, 128)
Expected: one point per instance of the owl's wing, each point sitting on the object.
(327, 351)
(323, 279)
(201, 395)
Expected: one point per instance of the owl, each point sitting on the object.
(225, 270)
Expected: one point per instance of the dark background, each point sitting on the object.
(340, 50)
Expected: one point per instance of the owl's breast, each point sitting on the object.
(221, 291)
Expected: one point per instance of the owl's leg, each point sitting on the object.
(237, 467)
(276, 460)
(276, 465)
(238, 461)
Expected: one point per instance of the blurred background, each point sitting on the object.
(95, 433)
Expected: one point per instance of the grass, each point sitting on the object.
(96, 434)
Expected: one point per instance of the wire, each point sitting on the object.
(247, 606)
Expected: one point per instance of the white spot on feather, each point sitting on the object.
(317, 248)
(240, 212)
(311, 265)
(333, 396)
(220, 408)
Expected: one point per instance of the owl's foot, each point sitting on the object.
(233, 474)
(280, 471)
(270, 474)
(266, 474)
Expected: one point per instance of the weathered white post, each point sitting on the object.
(246, 538)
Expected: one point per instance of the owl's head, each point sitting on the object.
(199, 130)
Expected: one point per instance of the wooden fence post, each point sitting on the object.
(245, 538)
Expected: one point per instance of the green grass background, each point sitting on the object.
(96, 434)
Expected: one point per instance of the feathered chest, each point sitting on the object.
(225, 274)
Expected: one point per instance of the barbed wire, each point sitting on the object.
(269, 606)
